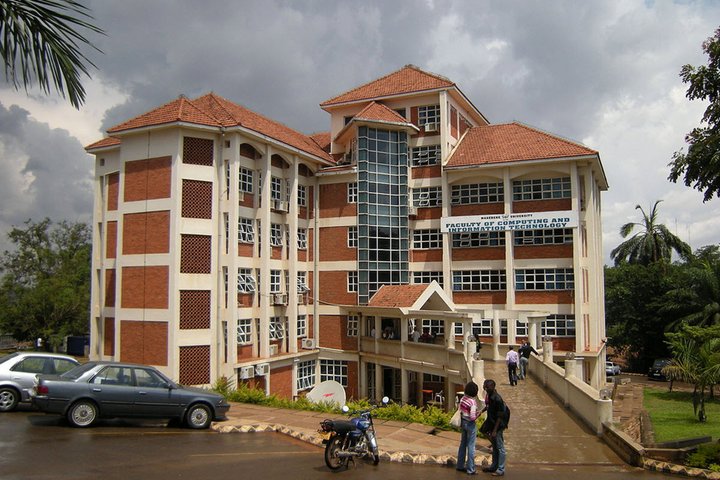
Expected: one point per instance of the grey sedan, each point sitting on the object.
(18, 370)
(114, 389)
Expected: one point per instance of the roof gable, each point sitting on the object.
(409, 79)
(412, 297)
(379, 113)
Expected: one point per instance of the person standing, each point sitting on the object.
(494, 427)
(524, 352)
(512, 362)
(469, 412)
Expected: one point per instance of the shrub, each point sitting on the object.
(706, 456)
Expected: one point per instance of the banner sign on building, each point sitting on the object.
(512, 221)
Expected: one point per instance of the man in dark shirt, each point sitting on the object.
(524, 352)
(495, 425)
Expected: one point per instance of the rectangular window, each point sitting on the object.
(425, 156)
(555, 236)
(276, 235)
(226, 284)
(427, 239)
(277, 328)
(305, 375)
(302, 239)
(352, 282)
(435, 327)
(544, 279)
(559, 326)
(427, 197)
(429, 114)
(483, 327)
(226, 225)
(541, 189)
(334, 370)
(479, 280)
(476, 193)
(302, 196)
(246, 282)
(244, 331)
(521, 329)
(352, 238)
(302, 282)
(427, 277)
(352, 192)
(478, 239)
(353, 324)
(275, 188)
(246, 231)
(302, 326)
(246, 180)
(275, 278)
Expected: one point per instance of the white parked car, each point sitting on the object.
(18, 370)
(612, 369)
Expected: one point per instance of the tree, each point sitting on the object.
(653, 243)
(45, 288)
(700, 166)
(40, 41)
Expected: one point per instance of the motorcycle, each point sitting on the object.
(346, 440)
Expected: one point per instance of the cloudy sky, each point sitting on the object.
(604, 73)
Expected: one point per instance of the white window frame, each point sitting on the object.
(334, 370)
(478, 239)
(276, 235)
(302, 326)
(484, 327)
(428, 114)
(427, 197)
(246, 281)
(302, 239)
(302, 196)
(353, 325)
(302, 286)
(305, 375)
(435, 326)
(426, 155)
(352, 281)
(550, 326)
(352, 237)
(544, 279)
(352, 192)
(479, 280)
(275, 281)
(276, 188)
(555, 236)
(246, 180)
(244, 331)
(542, 189)
(277, 328)
(246, 230)
(424, 277)
(427, 239)
(477, 193)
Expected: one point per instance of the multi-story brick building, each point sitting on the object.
(227, 244)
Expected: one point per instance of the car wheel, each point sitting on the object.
(9, 398)
(198, 416)
(82, 413)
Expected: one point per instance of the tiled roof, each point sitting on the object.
(397, 296)
(408, 79)
(105, 142)
(379, 113)
(215, 111)
(322, 139)
(510, 143)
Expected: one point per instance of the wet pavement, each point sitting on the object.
(541, 432)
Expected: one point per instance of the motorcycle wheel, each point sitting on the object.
(332, 460)
(375, 456)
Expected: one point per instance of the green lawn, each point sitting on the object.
(672, 415)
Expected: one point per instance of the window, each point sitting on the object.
(478, 239)
(555, 236)
(521, 329)
(276, 235)
(559, 326)
(275, 281)
(424, 156)
(275, 188)
(334, 370)
(226, 284)
(246, 232)
(479, 280)
(427, 197)
(541, 189)
(427, 277)
(302, 282)
(477, 193)
(544, 279)
(302, 239)
(428, 114)
(352, 192)
(352, 282)
(305, 375)
(302, 196)
(244, 331)
(435, 327)
(352, 237)
(353, 324)
(483, 327)
(226, 228)
(302, 326)
(246, 180)
(425, 239)
(277, 330)
(246, 282)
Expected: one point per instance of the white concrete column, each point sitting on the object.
(570, 368)
(496, 336)
(547, 351)
(404, 387)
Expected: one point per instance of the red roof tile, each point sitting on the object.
(322, 139)
(379, 113)
(510, 143)
(179, 110)
(397, 296)
(408, 79)
(105, 142)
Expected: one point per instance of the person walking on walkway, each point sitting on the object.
(469, 412)
(512, 362)
(494, 427)
(524, 352)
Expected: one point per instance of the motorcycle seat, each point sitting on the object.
(343, 426)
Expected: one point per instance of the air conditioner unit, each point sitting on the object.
(308, 343)
(247, 372)
(262, 369)
(279, 299)
(274, 349)
(431, 127)
(412, 210)
(280, 206)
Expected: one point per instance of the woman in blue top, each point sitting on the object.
(469, 411)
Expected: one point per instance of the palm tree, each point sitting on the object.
(40, 42)
(653, 243)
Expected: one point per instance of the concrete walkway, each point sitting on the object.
(541, 430)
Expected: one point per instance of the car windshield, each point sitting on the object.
(660, 363)
(77, 372)
(8, 357)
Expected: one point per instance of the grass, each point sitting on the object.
(673, 417)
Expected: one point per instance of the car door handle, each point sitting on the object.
(97, 389)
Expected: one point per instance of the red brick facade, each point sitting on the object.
(281, 381)
(109, 336)
(333, 289)
(145, 287)
(111, 241)
(333, 201)
(334, 333)
(146, 232)
(147, 179)
(144, 342)
(333, 245)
